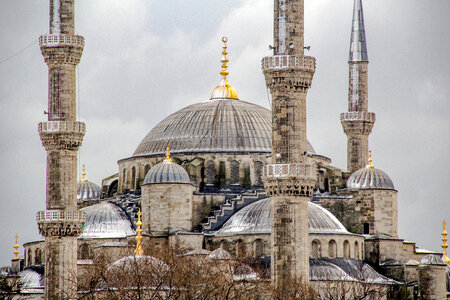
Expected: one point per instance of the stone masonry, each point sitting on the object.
(290, 179)
(61, 137)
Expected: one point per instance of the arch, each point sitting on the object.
(210, 172)
(225, 245)
(84, 251)
(258, 246)
(332, 249)
(316, 251)
(356, 250)
(112, 189)
(346, 249)
(37, 257)
(241, 250)
(258, 172)
(209, 245)
(124, 175)
(146, 169)
(234, 172)
(133, 178)
(30, 258)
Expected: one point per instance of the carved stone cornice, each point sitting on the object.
(61, 49)
(289, 186)
(60, 223)
(356, 126)
(61, 135)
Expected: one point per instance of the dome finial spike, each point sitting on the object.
(168, 155)
(138, 250)
(83, 174)
(16, 248)
(224, 90)
(370, 160)
(444, 243)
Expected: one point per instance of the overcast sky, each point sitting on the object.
(144, 60)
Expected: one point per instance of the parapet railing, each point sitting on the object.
(60, 215)
(61, 126)
(358, 115)
(290, 170)
(288, 61)
(54, 40)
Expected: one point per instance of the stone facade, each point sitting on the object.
(432, 282)
(167, 208)
(61, 136)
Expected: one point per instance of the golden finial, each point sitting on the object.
(224, 59)
(83, 174)
(168, 155)
(444, 243)
(16, 247)
(224, 90)
(138, 250)
(370, 160)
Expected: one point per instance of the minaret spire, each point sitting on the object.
(289, 181)
(357, 122)
(358, 45)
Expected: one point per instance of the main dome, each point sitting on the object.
(216, 126)
(255, 218)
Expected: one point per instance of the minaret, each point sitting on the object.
(357, 122)
(61, 137)
(290, 179)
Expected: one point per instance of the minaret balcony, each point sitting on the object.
(282, 62)
(59, 223)
(304, 171)
(57, 40)
(62, 127)
(358, 116)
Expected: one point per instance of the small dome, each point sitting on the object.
(255, 218)
(87, 190)
(369, 178)
(106, 220)
(167, 172)
(129, 263)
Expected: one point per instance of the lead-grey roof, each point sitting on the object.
(218, 126)
(358, 45)
(106, 220)
(167, 172)
(87, 190)
(255, 218)
(369, 178)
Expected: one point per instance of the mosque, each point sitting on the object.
(228, 174)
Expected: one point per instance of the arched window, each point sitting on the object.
(37, 257)
(241, 250)
(146, 169)
(259, 248)
(225, 246)
(209, 245)
(210, 172)
(346, 249)
(124, 175)
(366, 228)
(84, 251)
(316, 251)
(356, 250)
(133, 178)
(332, 249)
(258, 173)
(30, 258)
(234, 172)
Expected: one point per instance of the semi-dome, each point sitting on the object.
(106, 220)
(219, 126)
(167, 172)
(87, 190)
(369, 178)
(255, 218)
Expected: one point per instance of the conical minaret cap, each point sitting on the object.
(358, 45)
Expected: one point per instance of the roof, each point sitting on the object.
(255, 218)
(219, 126)
(369, 178)
(87, 190)
(358, 46)
(106, 220)
(167, 172)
